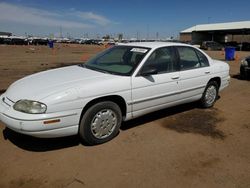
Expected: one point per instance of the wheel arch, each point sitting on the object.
(113, 98)
(216, 79)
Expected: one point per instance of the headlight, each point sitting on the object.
(244, 62)
(31, 107)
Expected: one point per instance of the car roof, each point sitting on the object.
(153, 45)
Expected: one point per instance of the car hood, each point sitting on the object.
(44, 84)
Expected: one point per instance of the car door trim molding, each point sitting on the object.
(166, 95)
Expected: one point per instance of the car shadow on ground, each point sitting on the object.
(238, 77)
(187, 118)
(158, 115)
(30, 143)
(48, 144)
(2, 91)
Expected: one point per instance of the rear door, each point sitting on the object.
(194, 72)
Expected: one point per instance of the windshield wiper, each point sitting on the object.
(99, 70)
(96, 69)
(103, 71)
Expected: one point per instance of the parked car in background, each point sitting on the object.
(195, 44)
(244, 46)
(119, 84)
(211, 45)
(232, 44)
(92, 42)
(245, 68)
(19, 41)
(13, 40)
(7, 40)
(1, 40)
(39, 41)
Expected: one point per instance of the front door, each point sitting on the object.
(155, 91)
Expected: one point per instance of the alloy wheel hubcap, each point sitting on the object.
(210, 94)
(103, 124)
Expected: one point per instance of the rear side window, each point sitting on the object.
(191, 58)
(203, 59)
(188, 58)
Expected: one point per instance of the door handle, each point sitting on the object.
(175, 77)
(207, 72)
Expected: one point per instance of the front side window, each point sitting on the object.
(162, 60)
(121, 60)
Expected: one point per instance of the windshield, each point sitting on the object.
(121, 60)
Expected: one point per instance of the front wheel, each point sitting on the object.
(210, 94)
(100, 123)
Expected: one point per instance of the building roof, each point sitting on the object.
(219, 27)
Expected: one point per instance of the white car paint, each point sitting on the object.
(66, 91)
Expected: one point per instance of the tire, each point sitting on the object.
(210, 94)
(242, 73)
(100, 123)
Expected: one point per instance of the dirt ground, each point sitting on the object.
(184, 146)
(19, 61)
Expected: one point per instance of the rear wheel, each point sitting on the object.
(210, 94)
(100, 123)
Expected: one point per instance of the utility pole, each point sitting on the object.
(60, 31)
(208, 19)
(147, 32)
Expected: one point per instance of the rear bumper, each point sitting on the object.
(225, 82)
(60, 124)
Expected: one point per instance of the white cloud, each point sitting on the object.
(72, 9)
(90, 16)
(38, 17)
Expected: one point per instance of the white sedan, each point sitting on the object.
(119, 84)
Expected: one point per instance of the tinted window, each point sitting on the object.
(115, 56)
(188, 58)
(202, 58)
(120, 60)
(162, 59)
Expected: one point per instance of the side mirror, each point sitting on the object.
(147, 71)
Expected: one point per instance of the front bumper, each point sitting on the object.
(34, 124)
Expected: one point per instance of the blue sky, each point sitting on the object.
(131, 17)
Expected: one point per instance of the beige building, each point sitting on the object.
(219, 32)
